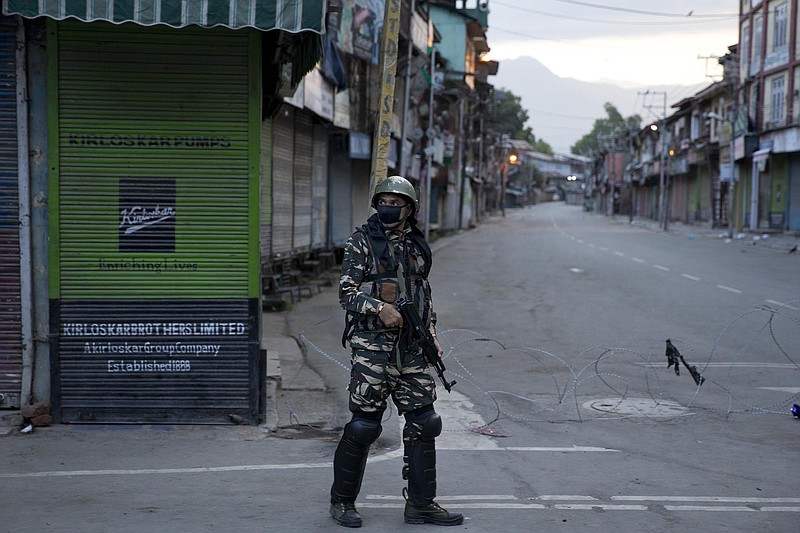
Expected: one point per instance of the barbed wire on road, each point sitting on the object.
(618, 382)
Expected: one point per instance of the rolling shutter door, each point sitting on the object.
(303, 153)
(10, 306)
(282, 191)
(153, 179)
(361, 191)
(341, 193)
(319, 189)
(265, 198)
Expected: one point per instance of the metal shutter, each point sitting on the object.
(152, 192)
(341, 193)
(303, 154)
(319, 186)
(10, 307)
(282, 191)
(265, 196)
(362, 191)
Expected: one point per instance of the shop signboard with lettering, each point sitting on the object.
(154, 227)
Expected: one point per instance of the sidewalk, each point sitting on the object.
(768, 239)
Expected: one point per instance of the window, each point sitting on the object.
(744, 67)
(758, 23)
(778, 100)
(695, 127)
(779, 27)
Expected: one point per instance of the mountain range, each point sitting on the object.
(562, 110)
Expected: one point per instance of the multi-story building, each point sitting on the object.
(769, 89)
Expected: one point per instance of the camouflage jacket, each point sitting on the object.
(364, 284)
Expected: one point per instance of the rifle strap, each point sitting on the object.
(405, 337)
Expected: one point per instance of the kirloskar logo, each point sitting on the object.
(147, 215)
(139, 217)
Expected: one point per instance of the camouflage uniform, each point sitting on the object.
(384, 361)
(380, 366)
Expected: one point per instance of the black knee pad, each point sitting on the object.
(428, 421)
(362, 431)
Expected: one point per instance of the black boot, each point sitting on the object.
(431, 513)
(420, 471)
(345, 514)
(349, 462)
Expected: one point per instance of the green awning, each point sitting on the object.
(287, 15)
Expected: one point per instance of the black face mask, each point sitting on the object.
(389, 214)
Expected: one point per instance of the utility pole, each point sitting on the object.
(383, 125)
(662, 137)
(732, 158)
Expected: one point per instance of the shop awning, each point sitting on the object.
(287, 15)
(761, 155)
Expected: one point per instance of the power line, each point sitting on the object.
(642, 12)
(618, 22)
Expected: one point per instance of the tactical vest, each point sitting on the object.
(383, 276)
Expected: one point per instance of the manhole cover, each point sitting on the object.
(637, 407)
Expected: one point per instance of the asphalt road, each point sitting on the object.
(565, 416)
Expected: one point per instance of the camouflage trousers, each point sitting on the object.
(376, 375)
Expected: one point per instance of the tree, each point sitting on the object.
(510, 117)
(606, 132)
(542, 147)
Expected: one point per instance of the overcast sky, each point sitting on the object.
(641, 42)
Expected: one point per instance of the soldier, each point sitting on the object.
(390, 253)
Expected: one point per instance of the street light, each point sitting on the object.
(718, 117)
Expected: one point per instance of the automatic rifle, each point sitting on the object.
(423, 338)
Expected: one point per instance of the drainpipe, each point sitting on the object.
(480, 194)
(430, 148)
(23, 185)
(406, 95)
(460, 165)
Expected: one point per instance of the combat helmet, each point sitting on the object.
(396, 185)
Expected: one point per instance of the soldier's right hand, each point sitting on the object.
(390, 316)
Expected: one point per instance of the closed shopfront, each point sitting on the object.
(319, 189)
(362, 191)
(265, 200)
(154, 191)
(341, 190)
(282, 181)
(303, 154)
(794, 194)
(677, 200)
(10, 300)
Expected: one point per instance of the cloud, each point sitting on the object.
(645, 60)
(593, 44)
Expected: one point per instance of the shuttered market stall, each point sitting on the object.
(10, 304)
(341, 191)
(265, 201)
(154, 223)
(282, 176)
(319, 189)
(303, 153)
